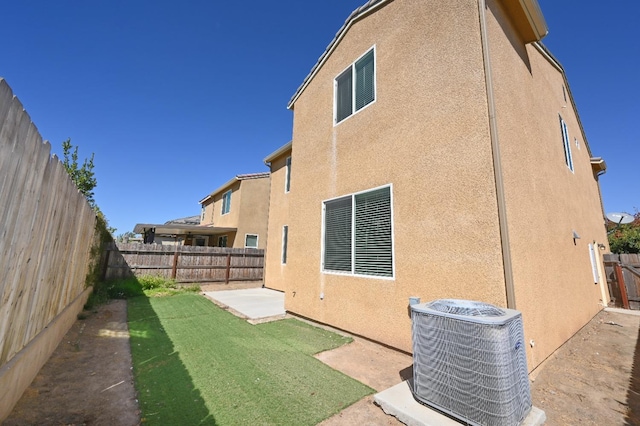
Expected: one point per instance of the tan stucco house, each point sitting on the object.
(240, 208)
(438, 153)
(279, 163)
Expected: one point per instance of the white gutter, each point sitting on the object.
(497, 165)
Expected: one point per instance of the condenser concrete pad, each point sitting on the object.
(398, 401)
(252, 303)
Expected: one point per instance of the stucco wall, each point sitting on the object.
(213, 210)
(427, 135)
(278, 217)
(546, 201)
(253, 211)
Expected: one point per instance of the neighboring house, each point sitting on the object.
(241, 206)
(438, 153)
(275, 263)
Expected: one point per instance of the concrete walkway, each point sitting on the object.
(255, 304)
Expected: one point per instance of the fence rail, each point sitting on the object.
(185, 264)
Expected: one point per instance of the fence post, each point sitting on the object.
(622, 286)
(174, 269)
(227, 272)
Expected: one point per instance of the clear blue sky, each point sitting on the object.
(175, 98)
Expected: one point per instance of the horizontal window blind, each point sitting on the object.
(337, 235)
(365, 80)
(373, 242)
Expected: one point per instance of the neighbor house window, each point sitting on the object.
(285, 237)
(567, 145)
(287, 179)
(200, 241)
(222, 241)
(226, 202)
(355, 87)
(358, 234)
(251, 241)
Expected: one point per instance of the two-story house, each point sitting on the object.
(438, 153)
(240, 208)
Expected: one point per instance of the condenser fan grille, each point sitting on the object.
(466, 308)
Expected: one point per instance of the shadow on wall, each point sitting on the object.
(633, 393)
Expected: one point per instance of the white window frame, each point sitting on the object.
(287, 176)
(245, 240)
(202, 212)
(353, 230)
(226, 203)
(285, 244)
(568, 158)
(351, 67)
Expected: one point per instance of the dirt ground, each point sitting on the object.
(594, 379)
(88, 379)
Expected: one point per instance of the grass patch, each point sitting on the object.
(195, 363)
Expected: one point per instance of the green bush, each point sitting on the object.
(625, 238)
(150, 282)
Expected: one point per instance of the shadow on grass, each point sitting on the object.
(633, 393)
(166, 393)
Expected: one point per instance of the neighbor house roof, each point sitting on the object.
(278, 152)
(190, 220)
(526, 13)
(235, 179)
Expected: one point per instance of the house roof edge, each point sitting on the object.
(367, 8)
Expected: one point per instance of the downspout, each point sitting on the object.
(497, 165)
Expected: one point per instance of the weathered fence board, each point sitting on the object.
(46, 235)
(185, 264)
(623, 277)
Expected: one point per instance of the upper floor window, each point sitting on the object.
(287, 181)
(202, 214)
(226, 202)
(567, 144)
(355, 87)
(358, 234)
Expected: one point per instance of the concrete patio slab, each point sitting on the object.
(399, 402)
(251, 303)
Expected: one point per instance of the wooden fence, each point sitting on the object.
(46, 235)
(185, 264)
(623, 278)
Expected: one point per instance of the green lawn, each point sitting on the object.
(195, 363)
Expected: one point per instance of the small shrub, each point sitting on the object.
(150, 282)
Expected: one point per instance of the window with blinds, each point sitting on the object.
(226, 202)
(287, 181)
(285, 238)
(358, 236)
(568, 159)
(355, 87)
